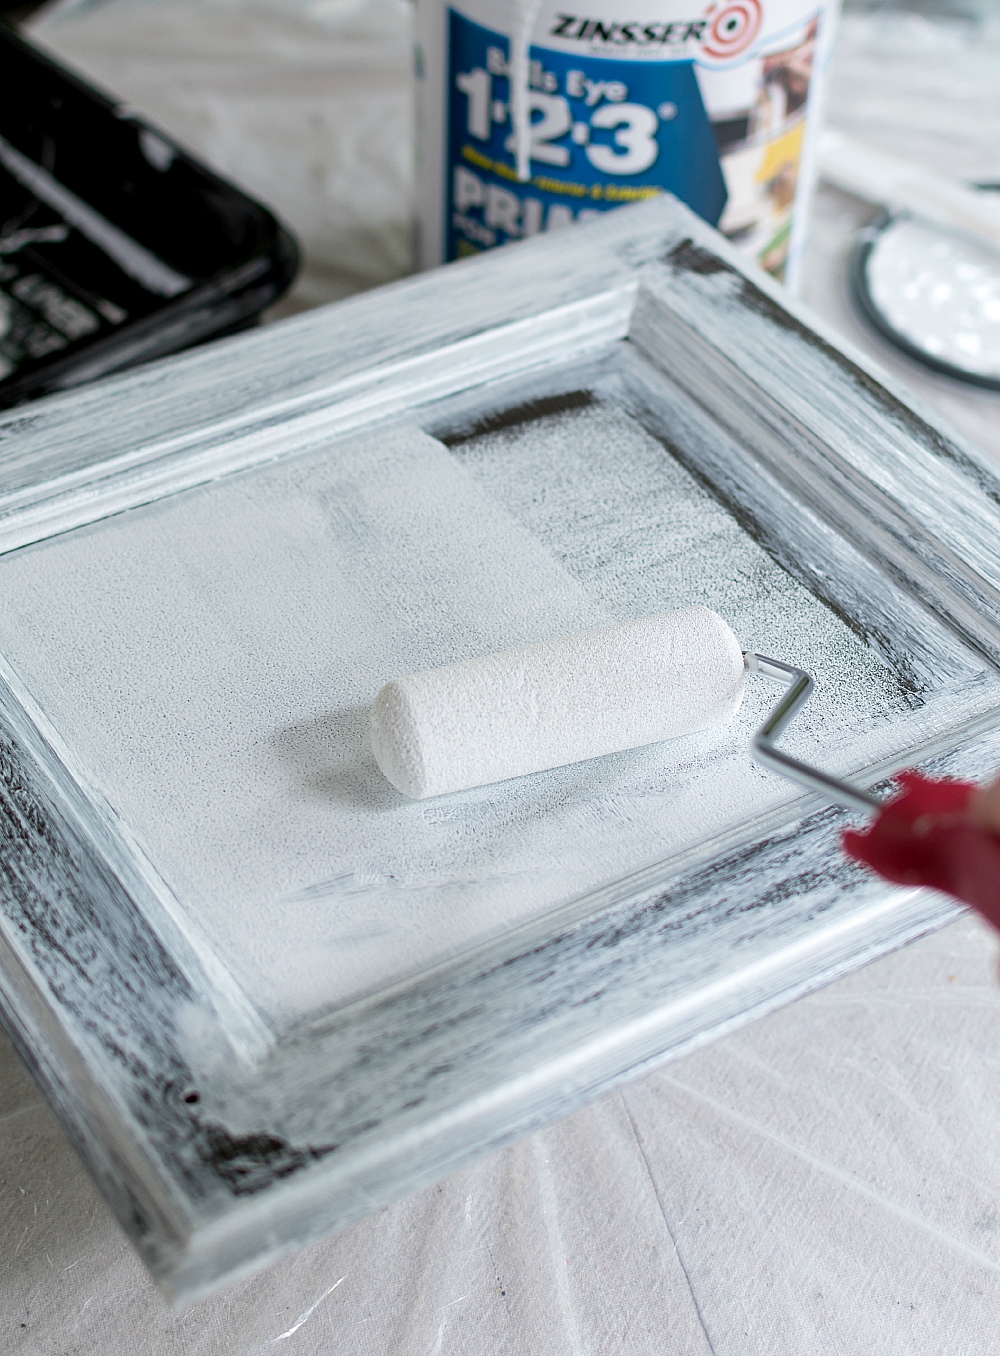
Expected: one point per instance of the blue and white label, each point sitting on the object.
(604, 133)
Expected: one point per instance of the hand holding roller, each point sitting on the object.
(640, 682)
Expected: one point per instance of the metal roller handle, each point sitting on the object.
(800, 686)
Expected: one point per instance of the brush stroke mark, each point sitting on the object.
(249, 1163)
(687, 257)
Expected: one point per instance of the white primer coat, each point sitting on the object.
(294, 591)
(559, 702)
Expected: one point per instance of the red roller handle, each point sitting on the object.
(945, 834)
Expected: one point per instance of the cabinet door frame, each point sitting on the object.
(330, 1121)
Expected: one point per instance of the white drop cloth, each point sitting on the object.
(827, 1180)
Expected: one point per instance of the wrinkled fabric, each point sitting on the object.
(826, 1180)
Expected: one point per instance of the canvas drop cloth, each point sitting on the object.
(825, 1180)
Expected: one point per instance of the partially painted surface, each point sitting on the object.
(220, 1145)
(210, 661)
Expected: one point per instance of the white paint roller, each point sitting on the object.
(562, 701)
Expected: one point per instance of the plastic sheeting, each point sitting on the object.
(827, 1180)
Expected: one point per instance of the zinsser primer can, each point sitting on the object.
(532, 116)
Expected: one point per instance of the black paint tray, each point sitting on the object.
(116, 246)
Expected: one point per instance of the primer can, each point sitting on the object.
(533, 115)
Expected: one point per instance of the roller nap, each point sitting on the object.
(563, 701)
